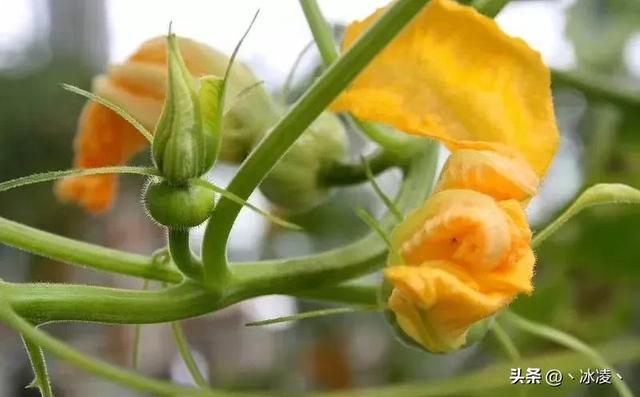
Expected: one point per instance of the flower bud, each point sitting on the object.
(178, 207)
(187, 136)
(294, 182)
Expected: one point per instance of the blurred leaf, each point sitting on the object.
(600, 30)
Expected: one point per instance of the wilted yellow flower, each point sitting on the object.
(453, 75)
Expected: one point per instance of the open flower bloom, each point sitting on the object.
(138, 86)
(454, 76)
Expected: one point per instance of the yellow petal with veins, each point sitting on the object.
(453, 75)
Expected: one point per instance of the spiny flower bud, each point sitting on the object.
(187, 136)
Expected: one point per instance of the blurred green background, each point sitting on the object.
(587, 274)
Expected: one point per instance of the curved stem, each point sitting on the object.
(341, 174)
(182, 256)
(600, 194)
(569, 342)
(98, 367)
(54, 175)
(364, 256)
(84, 254)
(50, 302)
(187, 357)
(39, 365)
(292, 124)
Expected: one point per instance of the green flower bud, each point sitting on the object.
(294, 182)
(187, 137)
(179, 206)
(250, 115)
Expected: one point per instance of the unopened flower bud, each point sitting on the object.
(187, 137)
(294, 182)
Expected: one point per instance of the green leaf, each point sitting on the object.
(313, 314)
(604, 193)
(112, 106)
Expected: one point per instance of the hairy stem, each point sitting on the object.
(39, 365)
(80, 253)
(182, 256)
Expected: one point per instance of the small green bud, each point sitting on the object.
(294, 182)
(179, 206)
(187, 137)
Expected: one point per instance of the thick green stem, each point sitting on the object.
(76, 252)
(182, 256)
(39, 365)
(393, 142)
(50, 302)
(364, 256)
(293, 123)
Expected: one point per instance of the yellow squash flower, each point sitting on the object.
(454, 76)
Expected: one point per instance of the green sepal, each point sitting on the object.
(179, 147)
(211, 96)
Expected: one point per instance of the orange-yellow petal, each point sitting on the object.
(435, 306)
(457, 225)
(453, 75)
(503, 176)
(104, 139)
